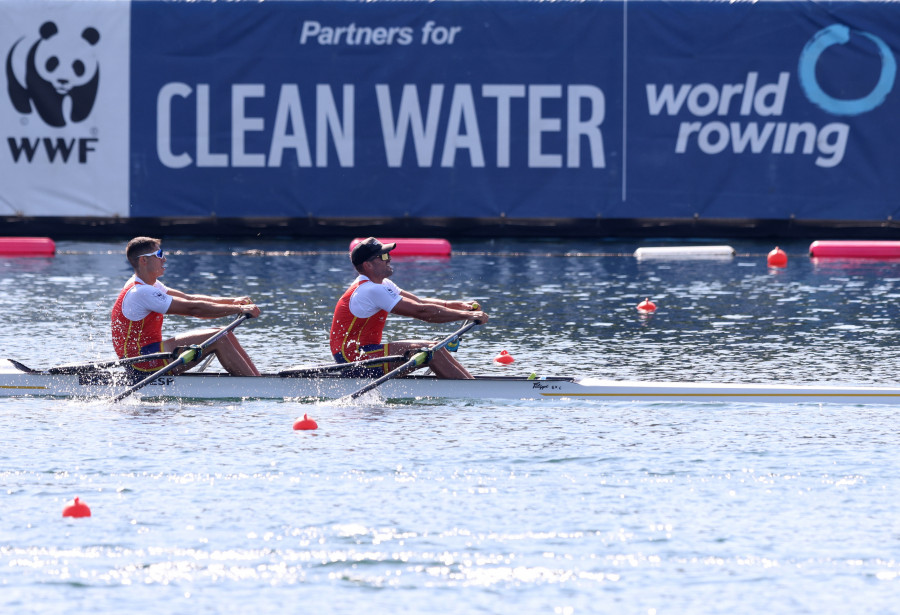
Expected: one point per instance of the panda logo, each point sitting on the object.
(61, 76)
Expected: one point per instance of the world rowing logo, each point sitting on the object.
(57, 76)
(818, 45)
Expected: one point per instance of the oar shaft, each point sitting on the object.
(416, 360)
(140, 385)
(185, 357)
(339, 367)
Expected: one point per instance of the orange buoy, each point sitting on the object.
(504, 357)
(27, 246)
(77, 509)
(646, 306)
(777, 258)
(305, 424)
(434, 248)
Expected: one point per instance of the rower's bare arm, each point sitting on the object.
(435, 312)
(223, 300)
(208, 309)
(454, 305)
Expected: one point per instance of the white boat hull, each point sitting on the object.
(14, 383)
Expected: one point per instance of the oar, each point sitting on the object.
(81, 368)
(185, 357)
(337, 367)
(415, 361)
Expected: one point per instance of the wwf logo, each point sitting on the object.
(58, 77)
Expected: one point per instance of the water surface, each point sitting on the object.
(444, 506)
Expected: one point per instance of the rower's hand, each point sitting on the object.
(242, 301)
(478, 315)
(464, 306)
(251, 310)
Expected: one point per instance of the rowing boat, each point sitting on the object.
(16, 383)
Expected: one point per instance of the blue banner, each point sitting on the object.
(361, 110)
(769, 110)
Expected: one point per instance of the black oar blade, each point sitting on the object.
(23, 368)
(84, 368)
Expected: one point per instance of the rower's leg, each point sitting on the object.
(442, 362)
(233, 357)
(227, 349)
(446, 366)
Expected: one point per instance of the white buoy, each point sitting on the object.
(676, 252)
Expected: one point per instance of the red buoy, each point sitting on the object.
(305, 423)
(27, 246)
(777, 258)
(504, 357)
(646, 306)
(76, 508)
(433, 248)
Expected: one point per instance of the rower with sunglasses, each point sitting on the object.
(137, 316)
(360, 315)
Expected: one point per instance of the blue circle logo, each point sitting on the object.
(840, 35)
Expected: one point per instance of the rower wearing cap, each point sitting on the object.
(361, 312)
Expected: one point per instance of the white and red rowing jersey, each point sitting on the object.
(137, 317)
(360, 315)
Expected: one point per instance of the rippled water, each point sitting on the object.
(442, 506)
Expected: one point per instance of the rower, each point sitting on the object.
(138, 313)
(361, 312)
